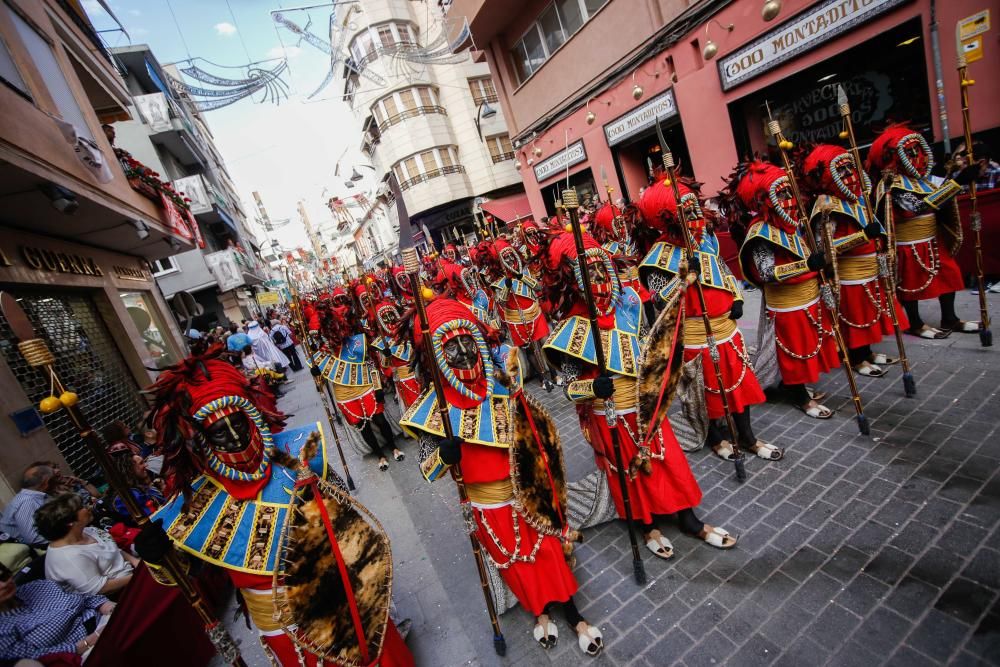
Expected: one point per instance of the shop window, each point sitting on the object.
(164, 266)
(147, 320)
(48, 66)
(9, 73)
(482, 90)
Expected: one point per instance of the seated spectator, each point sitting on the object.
(40, 619)
(63, 483)
(989, 171)
(133, 470)
(81, 558)
(18, 519)
(118, 432)
(256, 365)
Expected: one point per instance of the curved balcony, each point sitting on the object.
(410, 113)
(420, 178)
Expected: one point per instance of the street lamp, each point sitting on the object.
(483, 111)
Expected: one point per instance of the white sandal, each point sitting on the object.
(660, 546)
(717, 537)
(869, 370)
(818, 411)
(882, 359)
(767, 451)
(724, 450)
(591, 637)
(547, 636)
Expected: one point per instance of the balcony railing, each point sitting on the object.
(489, 97)
(410, 113)
(500, 157)
(420, 178)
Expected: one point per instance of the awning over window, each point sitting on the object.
(509, 209)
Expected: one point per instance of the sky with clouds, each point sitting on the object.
(286, 152)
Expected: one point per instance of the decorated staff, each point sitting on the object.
(411, 263)
(37, 354)
(571, 205)
(826, 292)
(975, 220)
(318, 379)
(909, 384)
(738, 458)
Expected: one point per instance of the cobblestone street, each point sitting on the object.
(852, 551)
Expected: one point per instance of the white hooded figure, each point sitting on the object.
(264, 348)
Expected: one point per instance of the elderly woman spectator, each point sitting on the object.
(81, 558)
(40, 619)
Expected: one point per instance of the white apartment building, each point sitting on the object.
(430, 118)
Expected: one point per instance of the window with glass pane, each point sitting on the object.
(411, 167)
(570, 14)
(390, 107)
(534, 48)
(377, 113)
(147, 320)
(551, 29)
(494, 146)
(426, 97)
(406, 97)
(400, 176)
(491, 92)
(386, 37)
(593, 5)
(520, 61)
(406, 33)
(446, 157)
(9, 73)
(505, 145)
(430, 164)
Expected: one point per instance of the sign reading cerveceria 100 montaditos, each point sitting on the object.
(794, 37)
(575, 153)
(645, 116)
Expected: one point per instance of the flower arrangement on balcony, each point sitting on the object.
(147, 182)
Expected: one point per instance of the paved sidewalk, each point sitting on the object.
(853, 550)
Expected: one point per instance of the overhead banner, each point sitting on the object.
(794, 37)
(193, 187)
(641, 118)
(575, 153)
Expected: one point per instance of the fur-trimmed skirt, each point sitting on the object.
(805, 342)
(864, 314)
(926, 271)
(742, 388)
(668, 488)
(503, 532)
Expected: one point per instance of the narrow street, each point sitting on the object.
(852, 551)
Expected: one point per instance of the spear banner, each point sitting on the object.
(824, 287)
(411, 263)
(37, 354)
(888, 283)
(975, 221)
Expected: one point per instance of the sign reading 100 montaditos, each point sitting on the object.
(794, 37)
(575, 153)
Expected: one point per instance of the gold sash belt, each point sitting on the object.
(344, 393)
(789, 297)
(694, 329)
(626, 395)
(404, 372)
(530, 314)
(919, 228)
(260, 608)
(490, 493)
(862, 267)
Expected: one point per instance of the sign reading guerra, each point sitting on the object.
(800, 34)
(575, 153)
(640, 118)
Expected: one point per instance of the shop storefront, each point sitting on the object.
(714, 110)
(106, 324)
(562, 170)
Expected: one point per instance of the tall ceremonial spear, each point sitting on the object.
(774, 127)
(37, 354)
(411, 263)
(739, 460)
(887, 280)
(975, 220)
(317, 376)
(571, 204)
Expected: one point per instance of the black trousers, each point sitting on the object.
(293, 358)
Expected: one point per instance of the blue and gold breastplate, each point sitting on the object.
(621, 345)
(666, 257)
(490, 423)
(236, 534)
(348, 365)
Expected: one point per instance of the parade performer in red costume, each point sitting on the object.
(921, 214)
(234, 475)
(512, 465)
(395, 352)
(839, 220)
(761, 208)
(659, 478)
(663, 269)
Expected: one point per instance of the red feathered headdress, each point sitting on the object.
(658, 206)
(886, 152)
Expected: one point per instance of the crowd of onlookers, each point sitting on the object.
(68, 552)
